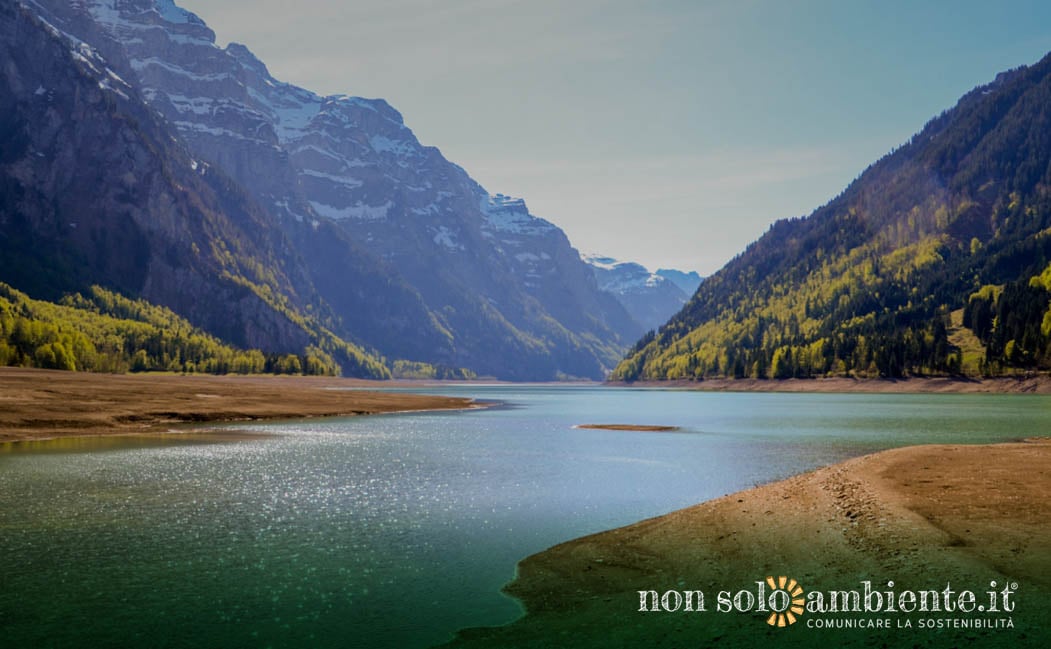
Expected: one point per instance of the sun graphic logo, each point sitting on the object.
(785, 600)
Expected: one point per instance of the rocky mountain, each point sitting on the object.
(688, 282)
(94, 190)
(649, 298)
(935, 260)
(413, 257)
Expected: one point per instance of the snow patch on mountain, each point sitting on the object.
(383, 144)
(173, 14)
(141, 64)
(358, 211)
(90, 60)
(510, 215)
(292, 113)
(159, 13)
(166, 10)
(446, 238)
(346, 181)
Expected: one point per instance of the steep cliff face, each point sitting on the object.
(479, 281)
(95, 190)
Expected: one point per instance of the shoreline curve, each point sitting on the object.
(919, 516)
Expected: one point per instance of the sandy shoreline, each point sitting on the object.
(42, 404)
(920, 516)
(1036, 384)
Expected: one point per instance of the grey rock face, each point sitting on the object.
(94, 190)
(480, 281)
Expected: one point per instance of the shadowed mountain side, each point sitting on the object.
(488, 285)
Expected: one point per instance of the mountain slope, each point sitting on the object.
(474, 280)
(95, 190)
(649, 298)
(955, 219)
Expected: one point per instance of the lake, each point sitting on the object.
(396, 530)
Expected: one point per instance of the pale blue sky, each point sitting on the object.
(669, 133)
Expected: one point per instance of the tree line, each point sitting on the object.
(103, 331)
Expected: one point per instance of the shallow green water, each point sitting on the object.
(394, 531)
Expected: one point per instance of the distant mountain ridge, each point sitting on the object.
(687, 282)
(649, 298)
(406, 253)
(934, 261)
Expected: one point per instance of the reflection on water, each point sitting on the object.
(394, 531)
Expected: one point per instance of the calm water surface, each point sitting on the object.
(394, 531)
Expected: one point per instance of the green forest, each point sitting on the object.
(935, 261)
(105, 332)
(102, 331)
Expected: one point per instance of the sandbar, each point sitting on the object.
(43, 404)
(630, 427)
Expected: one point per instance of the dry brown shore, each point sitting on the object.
(42, 404)
(921, 516)
(1033, 384)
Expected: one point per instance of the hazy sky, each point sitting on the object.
(666, 132)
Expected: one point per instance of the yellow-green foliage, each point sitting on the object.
(106, 332)
(1042, 280)
(416, 370)
(905, 261)
(328, 347)
(765, 320)
(971, 349)
(989, 292)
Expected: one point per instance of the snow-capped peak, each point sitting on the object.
(141, 11)
(599, 261)
(650, 298)
(621, 276)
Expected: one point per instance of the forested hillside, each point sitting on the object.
(934, 261)
(104, 332)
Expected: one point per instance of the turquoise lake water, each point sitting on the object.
(396, 530)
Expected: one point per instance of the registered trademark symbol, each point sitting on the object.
(1014, 585)
(981, 608)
